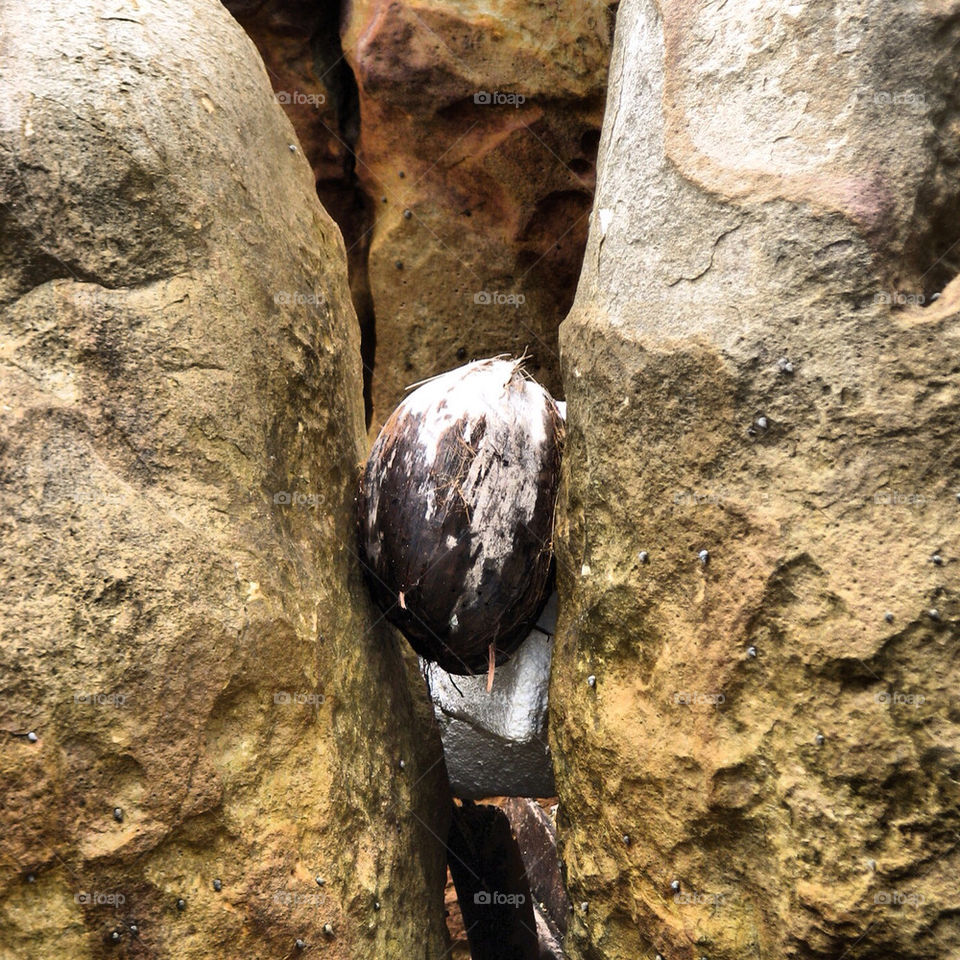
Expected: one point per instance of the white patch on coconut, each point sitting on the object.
(430, 497)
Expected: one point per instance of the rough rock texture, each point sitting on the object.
(777, 182)
(459, 945)
(536, 836)
(495, 744)
(299, 41)
(184, 626)
(492, 887)
(481, 207)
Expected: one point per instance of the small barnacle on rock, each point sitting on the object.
(675, 886)
(888, 616)
(591, 681)
(643, 556)
(118, 814)
(32, 737)
(819, 739)
(181, 904)
(704, 556)
(300, 944)
(217, 885)
(751, 651)
(933, 613)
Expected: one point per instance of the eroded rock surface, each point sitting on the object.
(300, 45)
(184, 628)
(479, 127)
(758, 533)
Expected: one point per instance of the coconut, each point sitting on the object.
(456, 513)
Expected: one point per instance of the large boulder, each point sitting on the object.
(758, 530)
(300, 45)
(478, 134)
(210, 744)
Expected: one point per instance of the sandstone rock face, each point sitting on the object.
(755, 367)
(300, 45)
(184, 628)
(479, 126)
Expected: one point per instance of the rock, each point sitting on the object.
(184, 624)
(459, 944)
(495, 743)
(492, 887)
(764, 194)
(503, 750)
(479, 128)
(300, 46)
(455, 513)
(536, 838)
